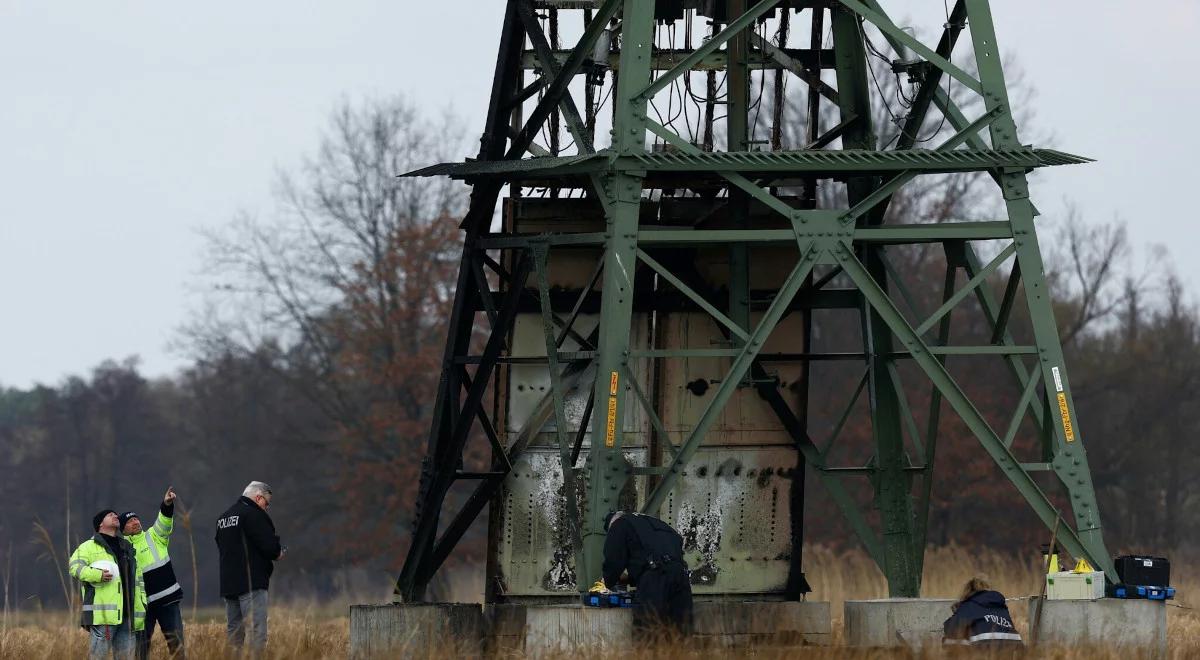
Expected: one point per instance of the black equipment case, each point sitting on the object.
(1142, 570)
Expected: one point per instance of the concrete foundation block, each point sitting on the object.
(755, 623)
(506, 629)
(539, 630)
(896, 621)
(554, 629)
(417, 629)
(1140, 624)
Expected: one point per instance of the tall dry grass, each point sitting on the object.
(294, 633)
(321, 630)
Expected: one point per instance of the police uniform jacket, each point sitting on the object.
(636, 541)
(248, 547)
(982, 619)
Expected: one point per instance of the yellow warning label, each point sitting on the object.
(610, 431)
(1068, 431)
(612, 384)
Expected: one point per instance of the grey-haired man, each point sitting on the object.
(248, 547)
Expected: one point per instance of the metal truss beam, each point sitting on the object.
(925, 496)
(933, 78)
(886, 26)
(799, 61)
(558, 87)
(802, 68)
(969, 287)
(885, 235)
(551, 71)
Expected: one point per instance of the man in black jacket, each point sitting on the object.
(248, 548)
(652, 554)
(981, 618)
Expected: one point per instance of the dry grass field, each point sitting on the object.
(300, 631)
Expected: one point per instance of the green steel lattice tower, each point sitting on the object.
(617, 273)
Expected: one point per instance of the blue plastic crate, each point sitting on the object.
(1142, 591)
(614, 599)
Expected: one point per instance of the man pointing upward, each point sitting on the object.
(163, 592)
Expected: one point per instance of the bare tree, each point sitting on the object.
(345, 290)
(1092, 274)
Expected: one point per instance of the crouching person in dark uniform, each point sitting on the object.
(652, 554)
(981, 618)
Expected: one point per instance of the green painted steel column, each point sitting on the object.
(933, 421)
(607, 468)
(893, 485)
(1070, 458)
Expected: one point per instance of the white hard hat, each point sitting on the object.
(106, 565)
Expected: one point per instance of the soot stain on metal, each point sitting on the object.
(550, 503)
(729, 468)
(561, 576)
(764, 477)
(701, 531)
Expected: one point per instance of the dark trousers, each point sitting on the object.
(663, 604)
(169, 618)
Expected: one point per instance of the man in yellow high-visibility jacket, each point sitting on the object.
(163, 592)
(114, 600)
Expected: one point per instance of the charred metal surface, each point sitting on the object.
(733, 508)
(534, 555)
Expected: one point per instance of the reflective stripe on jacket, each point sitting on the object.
(154, 560)
(102, 600)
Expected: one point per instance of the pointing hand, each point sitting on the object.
(169, 498)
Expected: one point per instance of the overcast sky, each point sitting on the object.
(126, 126)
